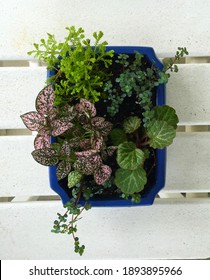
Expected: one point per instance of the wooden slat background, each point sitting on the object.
(177, 225)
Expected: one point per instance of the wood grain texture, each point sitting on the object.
(171, 229)
(161, 24)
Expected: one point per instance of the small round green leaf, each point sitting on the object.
(161, 134)
(131, 124)
(128, 156)
(130, 181)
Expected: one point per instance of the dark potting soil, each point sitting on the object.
(128, 108)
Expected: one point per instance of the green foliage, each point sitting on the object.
(166, 113)
(77, 64)
(74, 178)
(128, 156)
(160, 134)
(66, 223)
(131, 124)
(118, 136)
(112, 153)
(130, 181)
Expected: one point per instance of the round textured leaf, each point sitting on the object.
(118, 136)
(128, 156)
(130, 181)
(161, 134)
(167, 114)
(131, 124)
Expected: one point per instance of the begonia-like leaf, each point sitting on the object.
(128, 156)
(46, 156)
(118, 136)
(130, 181)
(131, 124)
(102, 174)
(33, 120)
(160, 134)
(45, 100)
(167, 114)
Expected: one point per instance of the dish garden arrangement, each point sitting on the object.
(101, 122)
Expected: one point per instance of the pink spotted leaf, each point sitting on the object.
(105, 128)
(85, 106)
(86, 154)
(65, 149)
(88, 164)
(102, 174)
(111, 150)
(33, 120)
(63, 169)
(97, 144)
(42, 141)
(59, 126)
(97, 121)
(46, 156)
(45, 100)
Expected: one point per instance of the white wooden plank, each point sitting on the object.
(20, 174)
(150, 23)
(19, 87)
(188, 163)
(171, 229)
(188, 91)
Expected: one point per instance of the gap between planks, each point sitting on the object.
(161, 195)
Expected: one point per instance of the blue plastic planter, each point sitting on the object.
(149, 196)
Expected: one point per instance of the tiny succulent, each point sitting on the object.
(83, 129)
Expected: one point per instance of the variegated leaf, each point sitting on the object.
(45, 100)
(111, 150)
(85, 106)
(59, 126)
(97, 144)
(102, 174)
(42, 141)
(87, 165)
(86, 154)
(63, 169)
(74, 178)
(65, 148)
(46, 156)
(85, 144)
(53, 113)
(97, 121)
(33, 120)
(105, 128)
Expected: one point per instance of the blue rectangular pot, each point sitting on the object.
(160, 168)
